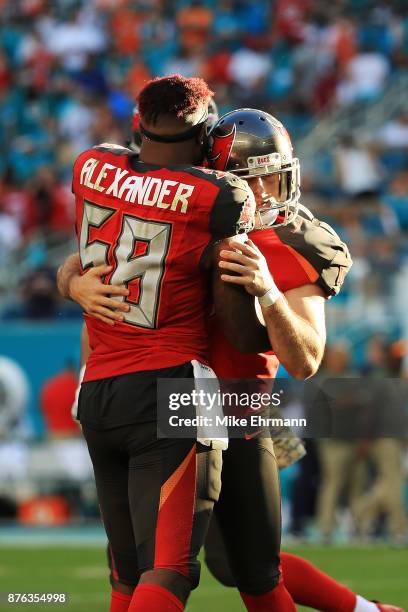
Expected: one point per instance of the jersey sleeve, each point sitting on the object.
(333, 270)
(76, 169)
(318, 248)
(233, 211)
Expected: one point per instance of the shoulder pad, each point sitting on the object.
(318, 243)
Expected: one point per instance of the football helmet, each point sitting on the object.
(251, 143)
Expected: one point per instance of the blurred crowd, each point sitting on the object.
(353, 481)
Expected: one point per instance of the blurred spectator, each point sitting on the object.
(75, 123)
(104, 128)
(194, 22)
(343, 40)
(92, 78)
(383, 448)
(365, 77)
(136, 77)
(72, 40)
(53, 202)
(248, 69)
(290, 19)
(39, 299)
(187, 62)
(216, 69)
(370, 439)
(57, 397)
(358, 171)
(385, 494)
(255, 18)
(37, 60)
(125, 26)
(304, 490)
(10, 236)
(337, 455)
(394, 134)
(376, 361)
(396, 198)
(5, 75)
(384, 259)
(17, 203)
(227, 24)
(314, 60)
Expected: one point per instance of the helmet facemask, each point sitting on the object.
(281, 208)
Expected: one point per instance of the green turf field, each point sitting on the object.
(376, 572)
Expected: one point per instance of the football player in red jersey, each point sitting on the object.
(134, 214)
(324, 593)
(292, 263)
(293, 267)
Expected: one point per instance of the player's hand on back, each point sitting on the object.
(96, 298)
(245, 265)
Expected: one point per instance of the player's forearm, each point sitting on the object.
(296, 343)
(70, 268)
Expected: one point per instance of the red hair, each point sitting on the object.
(172, 95)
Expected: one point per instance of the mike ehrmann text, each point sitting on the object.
(254, 420)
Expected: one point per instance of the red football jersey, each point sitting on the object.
(152, 224)
(304, 252)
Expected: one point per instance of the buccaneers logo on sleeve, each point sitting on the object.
(220, 149)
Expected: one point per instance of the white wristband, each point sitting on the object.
(270, 297)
